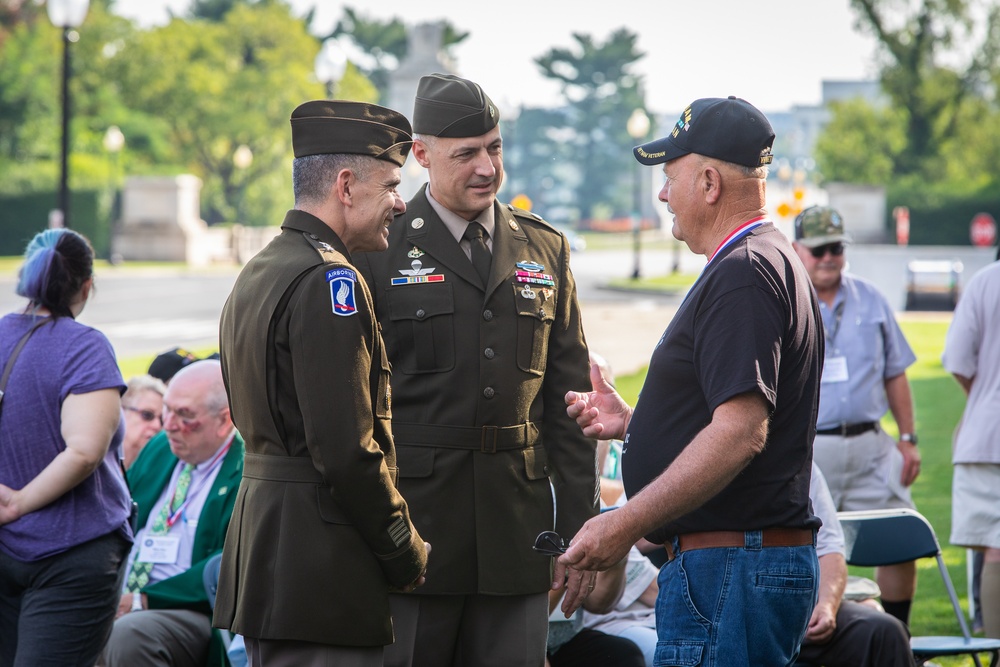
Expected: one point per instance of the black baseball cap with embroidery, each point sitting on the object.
(166, 365)
(728, 129)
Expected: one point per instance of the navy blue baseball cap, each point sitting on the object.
(728, 129)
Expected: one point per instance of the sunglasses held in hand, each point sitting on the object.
(548, 543)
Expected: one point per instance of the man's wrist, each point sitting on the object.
(908, 437)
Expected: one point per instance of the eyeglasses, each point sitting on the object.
(145, 415)
(548, 543)
(835, 249)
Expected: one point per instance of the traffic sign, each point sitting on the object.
(983, 230)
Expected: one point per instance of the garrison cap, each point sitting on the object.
(730, 129)
(449, 106)
(820, 225)
(336, 126)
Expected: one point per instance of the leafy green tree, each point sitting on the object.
(601, 91)
(227, 84)
(861, 144)
(918, 38)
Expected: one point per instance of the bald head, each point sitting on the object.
(196, 411)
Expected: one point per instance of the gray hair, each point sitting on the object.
(141, 383)
(313, 176)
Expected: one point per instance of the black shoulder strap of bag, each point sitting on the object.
(13, 357)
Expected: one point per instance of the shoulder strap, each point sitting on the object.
(15, 353)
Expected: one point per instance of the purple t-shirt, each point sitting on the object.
(62, 357)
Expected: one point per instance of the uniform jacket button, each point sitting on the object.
(421, 313)
(489, 353)
(487, 315)
(541, 312)
(489, 392)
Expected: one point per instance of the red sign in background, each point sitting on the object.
(983, 230)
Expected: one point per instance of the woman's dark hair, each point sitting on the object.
(57, 263)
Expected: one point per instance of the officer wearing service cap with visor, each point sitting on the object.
(864, 376)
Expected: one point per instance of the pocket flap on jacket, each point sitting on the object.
(414, 461)
(536, 462)
(329, 510)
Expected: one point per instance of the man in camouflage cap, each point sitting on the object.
(482, 326)
(864, 375)
(320, 533)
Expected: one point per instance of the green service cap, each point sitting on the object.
(449, 106)
(820, 225)
(336, 126)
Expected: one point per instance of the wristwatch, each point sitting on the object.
(908, 437)
(137, 601)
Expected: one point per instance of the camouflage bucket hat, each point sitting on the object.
(820, 225)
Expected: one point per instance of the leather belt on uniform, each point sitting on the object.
(848, 430)
(486, 439)
(281, 469)
(770, 537)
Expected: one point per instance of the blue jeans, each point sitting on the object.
(735, 606)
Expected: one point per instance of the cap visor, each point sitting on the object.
(658, 151)
(817, 241)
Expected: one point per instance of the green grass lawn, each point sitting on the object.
(939, 403)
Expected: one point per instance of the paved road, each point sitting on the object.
(146, 311)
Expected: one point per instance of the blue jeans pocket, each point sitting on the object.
(782, 581)
(678, 654)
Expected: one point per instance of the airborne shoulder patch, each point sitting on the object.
(342, 291)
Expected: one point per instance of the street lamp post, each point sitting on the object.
(637, 128)
(68, 15)
(114, 141)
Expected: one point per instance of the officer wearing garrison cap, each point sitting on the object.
(482, 326)
(717, 452)
(319, 534)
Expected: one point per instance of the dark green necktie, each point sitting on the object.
(481, 256)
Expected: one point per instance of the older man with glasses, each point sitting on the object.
(864, 375)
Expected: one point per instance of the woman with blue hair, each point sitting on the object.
(64, 505)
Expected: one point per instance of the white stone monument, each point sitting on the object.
(424, 56)
(161, 222)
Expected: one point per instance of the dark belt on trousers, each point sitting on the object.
(848, 430)
(281, 469)
(487, 439)
(770, 537)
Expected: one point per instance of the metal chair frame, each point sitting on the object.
(886, 537)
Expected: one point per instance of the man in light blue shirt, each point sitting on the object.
(864, 376)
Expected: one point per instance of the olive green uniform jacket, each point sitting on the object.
(319, 533)
(479, 384)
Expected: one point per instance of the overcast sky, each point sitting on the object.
(774, 53)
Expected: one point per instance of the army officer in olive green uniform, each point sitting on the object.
(483, 331)
(319, 534)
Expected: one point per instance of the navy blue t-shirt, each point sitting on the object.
(749, 324)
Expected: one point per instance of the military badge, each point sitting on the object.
(342, 282)
(530, 266)
(416, 252)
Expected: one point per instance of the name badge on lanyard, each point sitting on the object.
(159, 549)
(835, 369)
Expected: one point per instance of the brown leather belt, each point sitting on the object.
(770, 537)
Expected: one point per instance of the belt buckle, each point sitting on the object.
(488, 439)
